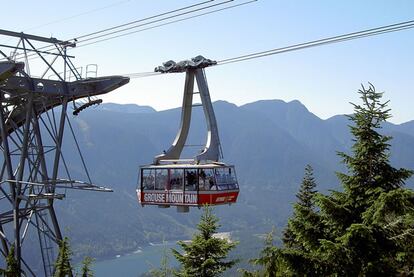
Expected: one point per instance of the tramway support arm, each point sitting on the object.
(211, 151)
(174, 152)
(194, 69)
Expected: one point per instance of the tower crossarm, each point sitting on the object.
(8, 69)
(46, 94)
(52, 88)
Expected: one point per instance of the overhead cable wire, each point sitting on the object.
(152, 22)
(140, 20)
(141, 75)
(330, 40)
(320, 42)
(75, 39)
(168, 23)
(79, 14)
(71, 17)
(49, 47)
(79, 150)
(144, 19)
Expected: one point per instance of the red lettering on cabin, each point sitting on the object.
(187, 199)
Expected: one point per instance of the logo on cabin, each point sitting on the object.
(171, 197)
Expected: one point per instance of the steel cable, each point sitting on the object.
(335, 39)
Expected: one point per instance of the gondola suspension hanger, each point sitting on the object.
(194, 70)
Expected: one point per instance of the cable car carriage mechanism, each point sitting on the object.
(171, 181)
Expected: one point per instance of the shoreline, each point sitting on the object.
(139, 250)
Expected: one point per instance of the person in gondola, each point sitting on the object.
(202, 180)
(190, 181)
(151, 182)
(211, 183)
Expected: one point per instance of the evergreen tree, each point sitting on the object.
(164, 270)
(12, 269)
(205, 255)
(62, 265)
(86, 270)
(367, 229)
(357, 241)
(303, 230)
(303, 227)
(268, 259)
(370, 172)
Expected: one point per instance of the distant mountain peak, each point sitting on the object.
(223, 103)
(277, 104)
(125, 108)
(296, 103)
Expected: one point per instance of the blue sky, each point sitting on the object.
(325, 79)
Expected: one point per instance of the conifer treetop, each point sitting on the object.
(205, 255)
(370, 171)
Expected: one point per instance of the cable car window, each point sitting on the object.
(161, 178)
(148, 179)
(176, 179)
(202, 180)
(232, 180)
(191, 179)
(210, 180)
(233, 186)
(221, 178)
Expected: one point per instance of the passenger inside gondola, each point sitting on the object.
(225, 179)
(210, 183)
(191, 180)
(148, 179)
(202, 180)
(161, 179)
(176, 181)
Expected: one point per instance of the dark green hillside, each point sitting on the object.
(270, 142)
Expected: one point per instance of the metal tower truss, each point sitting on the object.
(33, 116)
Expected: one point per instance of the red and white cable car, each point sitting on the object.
(188, 185)
(204, 180)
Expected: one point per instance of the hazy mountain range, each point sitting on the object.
(270, 142)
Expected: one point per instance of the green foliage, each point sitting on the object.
(370, 222)
(205, 255)
(12, 267)
(370, 172)
(86, 270)
(303, 228)
(368, 228)
(63, 267)
(269, 258)
(164, 270)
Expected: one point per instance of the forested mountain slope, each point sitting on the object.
(270, 142)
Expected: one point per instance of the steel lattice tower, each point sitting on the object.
(33, 115)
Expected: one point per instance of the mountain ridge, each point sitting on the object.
(269, 141)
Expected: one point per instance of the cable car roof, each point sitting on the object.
(186, 165)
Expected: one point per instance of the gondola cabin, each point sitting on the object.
(186, 185)
(203, 180)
